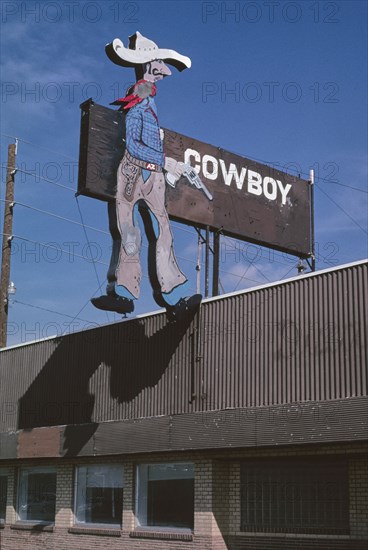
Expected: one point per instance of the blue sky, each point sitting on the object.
(289, 85)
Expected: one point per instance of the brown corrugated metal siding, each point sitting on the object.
(296, 341)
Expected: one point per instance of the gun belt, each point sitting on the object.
(151, 166)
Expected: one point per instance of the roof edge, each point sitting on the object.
(205, 301)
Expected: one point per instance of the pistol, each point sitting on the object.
(193, 179)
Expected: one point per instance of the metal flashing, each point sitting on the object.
(204, 301)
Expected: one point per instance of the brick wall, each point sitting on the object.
(217, 508)
(64, 496)
(203, 497)
(10, 510)
(128, 497)
(60, 539)
(221, 503)
(234, 498)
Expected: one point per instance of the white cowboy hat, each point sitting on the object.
(142, 50)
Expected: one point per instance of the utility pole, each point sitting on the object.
(6, 248)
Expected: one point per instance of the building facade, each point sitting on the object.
(245, 427)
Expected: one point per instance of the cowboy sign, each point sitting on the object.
(141, 189)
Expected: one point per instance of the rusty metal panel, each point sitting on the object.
(251, 201)
(39, 443)
(301, 340)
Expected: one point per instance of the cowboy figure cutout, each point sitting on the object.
(141, 189)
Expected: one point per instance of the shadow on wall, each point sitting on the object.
(134, 354)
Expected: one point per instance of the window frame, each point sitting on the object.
(160, 528)
(92, 525)
(33, 469)
(340, 525)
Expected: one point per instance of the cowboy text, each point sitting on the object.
(240, 177)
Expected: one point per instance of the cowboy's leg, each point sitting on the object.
(125, 269)
(152, 232)
(116, 243)
(128, 271)
(124, 272)
(168, 275)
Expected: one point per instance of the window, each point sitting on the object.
(99, 495)
(165, 495)
(304, 496)
(3, 491)
(37, 494)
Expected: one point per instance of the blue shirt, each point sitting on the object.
(143, 139)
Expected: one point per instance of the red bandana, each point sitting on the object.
(137, 95)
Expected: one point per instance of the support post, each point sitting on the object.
(216, 263)
(207, 264)
(6, 248)
(198, 266)
(311, 180)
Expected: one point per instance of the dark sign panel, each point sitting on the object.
(251, 201)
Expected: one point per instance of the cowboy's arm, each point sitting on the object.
(136, 147)
(190, 174)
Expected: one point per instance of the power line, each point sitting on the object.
(342, 210)
(182, 228)
(41, 178)
(287, 273)
(229, 239)
(89, 246)
(236, 248)
(258, 246)
(47, 245)
(344, 185)
(270, 164)
(241, 277)
(251, 264)
(266, 162)
(16, 203)
(107, 233)
(49, 310)
(39, 146)
(83, 307)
